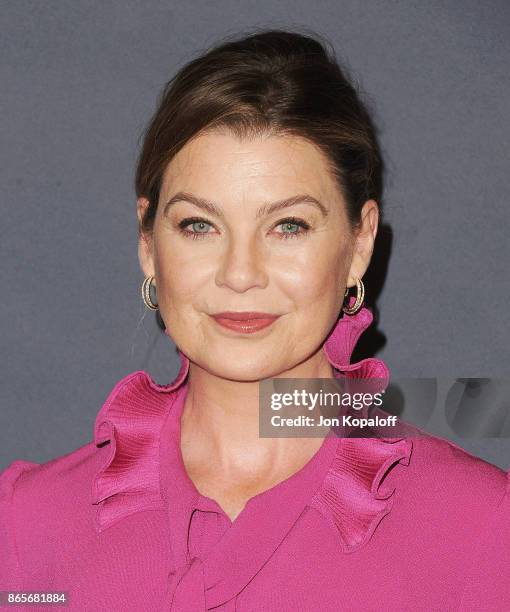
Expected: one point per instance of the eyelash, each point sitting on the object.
(284, 236)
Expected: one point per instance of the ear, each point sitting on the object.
(364, 241)
(145, 243)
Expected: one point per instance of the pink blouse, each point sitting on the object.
(367, 524)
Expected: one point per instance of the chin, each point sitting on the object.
(238, 369)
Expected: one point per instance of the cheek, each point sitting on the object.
(313, 277)
(181, 276)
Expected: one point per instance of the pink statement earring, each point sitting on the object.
(360, 296)
(146, 293)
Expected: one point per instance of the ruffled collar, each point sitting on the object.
(348, 496)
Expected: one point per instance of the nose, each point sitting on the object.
(241, 266)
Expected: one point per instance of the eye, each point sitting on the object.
(200, 227)
(291, 227)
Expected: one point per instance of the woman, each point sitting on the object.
(258, 188)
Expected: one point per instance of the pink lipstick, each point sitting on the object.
(244, 322)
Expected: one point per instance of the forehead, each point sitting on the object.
(219, 160)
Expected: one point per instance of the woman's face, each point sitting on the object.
(244, 257)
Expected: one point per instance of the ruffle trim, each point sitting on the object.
(350, 498)
(131, 419)
(340, 345)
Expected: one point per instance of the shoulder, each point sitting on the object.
(457, 505)
(132, 413)
(11, 474)
(64, 479)
(445, 497)
(37, 487)
(39, 504)
(471, 499)
(449, 473)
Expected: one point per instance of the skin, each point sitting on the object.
(240, 262)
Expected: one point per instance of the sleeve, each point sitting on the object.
(488, 582)
(10, 569)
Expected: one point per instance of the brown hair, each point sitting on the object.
(269, 81)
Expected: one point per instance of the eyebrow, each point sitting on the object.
(266, 209)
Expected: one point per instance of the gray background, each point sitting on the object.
(79, 83)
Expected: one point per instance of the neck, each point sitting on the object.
(220, 428)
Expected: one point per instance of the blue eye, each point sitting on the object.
(291, 222)
(200, 223)
(195, 221)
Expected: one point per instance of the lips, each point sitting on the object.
(245, 322)
(245, 316)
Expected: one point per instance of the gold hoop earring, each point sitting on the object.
(360, 295)
(146, 293)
